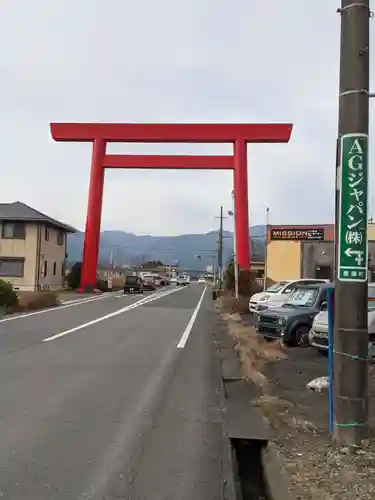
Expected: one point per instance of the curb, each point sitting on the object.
(231, 489)
(276, 481)
(243, 422)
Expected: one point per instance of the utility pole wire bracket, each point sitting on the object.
(355, 5)
(359, 91)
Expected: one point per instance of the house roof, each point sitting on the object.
(18, 211)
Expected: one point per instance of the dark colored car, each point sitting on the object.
(292, 321)
(133, 284)
(149, 284)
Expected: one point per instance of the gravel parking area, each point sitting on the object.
(315, 469)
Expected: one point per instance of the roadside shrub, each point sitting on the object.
(8, 297)
(31, 301)
(74, 277)
(231, 305)
(229, 282)
(101, 285)
(247, 282)
(117, 283)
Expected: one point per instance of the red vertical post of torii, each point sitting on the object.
(102, 133)
(241, 204)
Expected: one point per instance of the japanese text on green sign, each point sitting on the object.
(353, 242)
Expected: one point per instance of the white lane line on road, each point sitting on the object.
(89, 299)
(122, 295)
(57, 308)
(74, 301)
(141, 302)
(190, 325)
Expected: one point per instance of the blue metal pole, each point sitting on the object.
(330, 309)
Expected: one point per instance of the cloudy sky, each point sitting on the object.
(170, 61)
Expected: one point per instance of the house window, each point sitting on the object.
(63, 269)
(45, 269)
(14, 230)
(46, 233)
(12, 267)
(54, 268)
(60, 238)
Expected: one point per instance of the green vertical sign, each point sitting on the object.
(352, 252)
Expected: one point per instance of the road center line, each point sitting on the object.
(190, 325)
(140, 302)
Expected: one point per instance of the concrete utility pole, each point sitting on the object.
(232, 213)
(111, 257)
(266, 249)
(220, 247)
(350, 383)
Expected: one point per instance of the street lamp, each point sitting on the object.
(232, 213)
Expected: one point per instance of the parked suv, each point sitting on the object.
(277, 294)
(292, 321)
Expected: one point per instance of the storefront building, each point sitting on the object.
(295, 252)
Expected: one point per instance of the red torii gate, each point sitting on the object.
(102, 133)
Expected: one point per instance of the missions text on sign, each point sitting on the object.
(294, 233)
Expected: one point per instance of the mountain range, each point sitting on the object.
(194, 251)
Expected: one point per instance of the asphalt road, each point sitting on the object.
(112, 398)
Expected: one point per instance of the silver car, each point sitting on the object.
(318, 335)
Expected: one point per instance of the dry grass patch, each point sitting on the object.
(31, 301)
(231, 305)
(275, 410)
(118, 283)
(280, 412)
(231, 317)
(254, 351)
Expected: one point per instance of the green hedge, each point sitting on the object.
(8, 297)
(247, 284)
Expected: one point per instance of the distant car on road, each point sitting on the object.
(183, 281)
(164, 281)
(201, 280)
(158, 281)
(133, 284)
(149, 282)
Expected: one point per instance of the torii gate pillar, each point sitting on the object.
(102, 133)
(241, 204)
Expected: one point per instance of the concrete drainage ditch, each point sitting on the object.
(256, 467)
(248, 469)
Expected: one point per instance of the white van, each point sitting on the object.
(277, 294)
